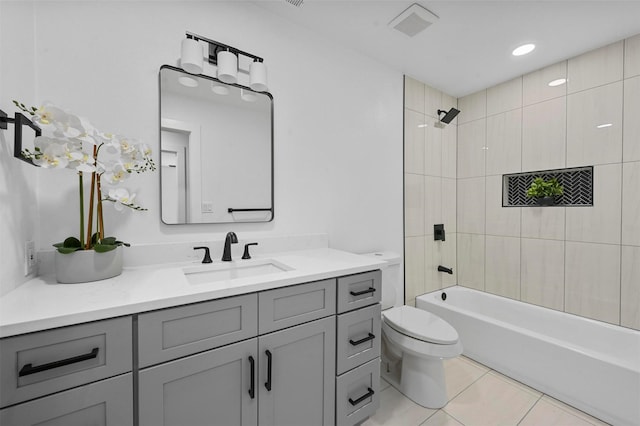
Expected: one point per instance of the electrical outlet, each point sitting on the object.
(29, 258)
(207, 207)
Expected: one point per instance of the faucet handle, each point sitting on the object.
(207, 255)
(246, 254)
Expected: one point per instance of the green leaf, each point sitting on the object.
(67, 250)
(108, 240)
(71, 242)
(103, 248)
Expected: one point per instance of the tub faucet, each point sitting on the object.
(445, 269)
(231, 238)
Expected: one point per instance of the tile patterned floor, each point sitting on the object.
(478, 396)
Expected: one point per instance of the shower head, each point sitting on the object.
(449, 115)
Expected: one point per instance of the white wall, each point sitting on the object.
(581, 260)
(338, 135)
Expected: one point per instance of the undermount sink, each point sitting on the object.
(203, 274)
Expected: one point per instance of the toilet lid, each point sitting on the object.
(421, 325)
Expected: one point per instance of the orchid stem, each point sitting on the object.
(81, 186)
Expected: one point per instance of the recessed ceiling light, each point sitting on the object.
(524, 49)
(557, 82)
(602, 126)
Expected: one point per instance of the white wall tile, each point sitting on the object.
(414, 267)
(595, 68)
(449, 151)
(470, 260)
(413, 205)
(432, 203)
(592, 281)
(631, 203)
(449, 204)
(535, 86)
(630, 297)
(503, 221)
(472, 107)
(432, 101)
(433, 151)
(502, 266)
(543, 222)
(504, 97)
(449, 259)
(432, 258)
(586, 110)
(471, 205)
(600, 223)
(413, 94)
(471, 148)
(542, 273)
(504, 143)
(413, 142)
(631, 125)
(632, 56)
(544, 130)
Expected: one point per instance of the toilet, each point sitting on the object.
(414, 343)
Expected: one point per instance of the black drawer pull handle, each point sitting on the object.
(361, 341)
(252, 389)
(268, 382)
(360, 293)
(362, 398)
(28, 369)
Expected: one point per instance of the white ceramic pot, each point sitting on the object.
(86, 265)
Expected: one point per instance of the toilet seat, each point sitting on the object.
(420, 325)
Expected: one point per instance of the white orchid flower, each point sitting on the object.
(52, 153)
(115, 174)
(48, 113)
(121, 198)
(81, 161)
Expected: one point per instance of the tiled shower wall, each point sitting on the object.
(430, 190)
(581, 260)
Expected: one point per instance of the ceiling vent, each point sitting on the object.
(413, 20)
(296, 3)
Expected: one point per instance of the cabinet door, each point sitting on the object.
(210, 388)
(105, 403)
(297, 378)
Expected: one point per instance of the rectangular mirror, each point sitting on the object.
(216, 150)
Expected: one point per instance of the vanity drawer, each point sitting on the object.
(357, 395)
(176, 332)
(358, 291)
(358, 337)
(37, 364)
(107, 402)
(289, 306)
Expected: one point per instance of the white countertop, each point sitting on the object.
(42, 303)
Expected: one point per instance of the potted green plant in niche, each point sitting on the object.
(545, 191)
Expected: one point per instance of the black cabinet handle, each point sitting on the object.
(362, 398)
(360, 293)
(252, 389)
(268, 382)
(29, 369)
(361, 341)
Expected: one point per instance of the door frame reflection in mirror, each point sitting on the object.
(241, 211)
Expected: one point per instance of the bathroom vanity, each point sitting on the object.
(290, 347)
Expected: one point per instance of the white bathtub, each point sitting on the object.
(591, 365)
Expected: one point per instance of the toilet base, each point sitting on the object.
(422, 380)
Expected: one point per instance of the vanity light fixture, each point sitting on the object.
(226, 59)
(219, 89)
(191, 56)
(247, 96)
(557, 82)
(188, 81)
(18, 122)
(524, 49)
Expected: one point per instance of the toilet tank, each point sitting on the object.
(390, 276)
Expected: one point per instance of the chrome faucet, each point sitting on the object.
(231, 238)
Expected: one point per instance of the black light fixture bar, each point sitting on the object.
(216, 46)
(19, 121)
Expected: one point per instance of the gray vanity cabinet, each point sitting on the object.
(216, 387)
(296, 375)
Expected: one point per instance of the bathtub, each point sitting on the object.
(591, 365)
